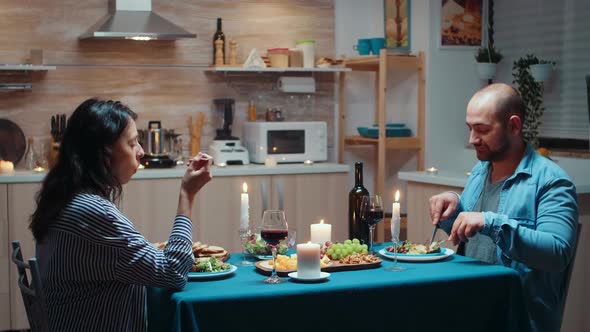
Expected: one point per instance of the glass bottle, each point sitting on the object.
(356, 228)
(30, 155)
(218, 35)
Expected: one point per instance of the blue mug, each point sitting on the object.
(377, 44)
(363, 46)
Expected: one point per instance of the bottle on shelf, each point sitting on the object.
(356, 228)
(30, 155)
(251, 111)
(219, 35)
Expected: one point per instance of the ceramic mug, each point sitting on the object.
(377, 44)
(363, 46)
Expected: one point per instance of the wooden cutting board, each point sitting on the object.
(265, 268)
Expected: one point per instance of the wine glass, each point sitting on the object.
(371, 214)
(395, 226)
(274, 230)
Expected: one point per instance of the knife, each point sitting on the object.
(434, 233)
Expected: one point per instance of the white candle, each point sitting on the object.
(320, 233)
(244, 206)
(395, 217)
(6, 167)
(308, 260)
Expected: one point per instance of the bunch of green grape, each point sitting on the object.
(337, 250)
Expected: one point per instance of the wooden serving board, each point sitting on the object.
(265, 268)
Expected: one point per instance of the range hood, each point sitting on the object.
(134, 19)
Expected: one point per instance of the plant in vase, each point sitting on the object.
(531, 92)
(487, 58)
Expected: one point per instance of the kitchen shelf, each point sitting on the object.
(26, 67)
(383, 65)
(279, 70)
(391, 143)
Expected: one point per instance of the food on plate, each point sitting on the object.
(359, 259)
(289, 263)
(256, 246)
(337, 251)
(209, 264)
(409, 248)
(202, 250)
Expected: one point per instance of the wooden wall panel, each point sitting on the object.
(160, 80)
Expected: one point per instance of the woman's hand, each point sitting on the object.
(198, 173)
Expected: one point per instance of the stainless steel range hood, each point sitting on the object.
(134, 19)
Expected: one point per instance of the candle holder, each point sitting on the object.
(244, 237)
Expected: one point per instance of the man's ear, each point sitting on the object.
(515, 124)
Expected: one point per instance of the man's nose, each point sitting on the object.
(473, 138)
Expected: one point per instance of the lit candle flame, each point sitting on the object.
(397, 196)
(245, 187)
(321, 221)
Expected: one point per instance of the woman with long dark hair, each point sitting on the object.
(94, 264)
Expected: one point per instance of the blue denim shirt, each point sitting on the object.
(534, 230)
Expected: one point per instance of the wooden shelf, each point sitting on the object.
(279, 70)
(383, 65)
(26, 67)
(371, 63)
(391, 143)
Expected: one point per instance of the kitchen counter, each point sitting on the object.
(23, 176)
(458, 179)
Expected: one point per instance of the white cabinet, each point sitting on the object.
(5, 262)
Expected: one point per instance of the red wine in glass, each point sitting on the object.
(273, 236)
(374, 216)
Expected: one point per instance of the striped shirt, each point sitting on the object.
(95, 266)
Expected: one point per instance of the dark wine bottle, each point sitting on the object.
(219, 35)
(356, 228)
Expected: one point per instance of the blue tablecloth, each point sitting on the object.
(455, 294)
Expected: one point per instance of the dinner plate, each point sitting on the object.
(211, 275)
(323, 276)
(445, 252)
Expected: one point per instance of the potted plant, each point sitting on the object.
(487, 58)
(541, 69)
(531, 92)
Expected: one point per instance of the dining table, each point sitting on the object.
(456, 293)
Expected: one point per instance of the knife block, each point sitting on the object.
(53, 154)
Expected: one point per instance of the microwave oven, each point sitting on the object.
(287, 142)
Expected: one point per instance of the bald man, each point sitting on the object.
(518, 208)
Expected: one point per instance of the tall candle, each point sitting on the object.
(308, 260)
(320, 233)
(244, 206)
(395, 217)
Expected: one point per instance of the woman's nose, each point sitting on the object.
(140, 153)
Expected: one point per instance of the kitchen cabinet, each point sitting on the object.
(382, 65)
(5, 254)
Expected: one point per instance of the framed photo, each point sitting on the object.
(462, 23)
(397, 24)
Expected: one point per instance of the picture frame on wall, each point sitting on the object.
(397, 25)
(462, 23)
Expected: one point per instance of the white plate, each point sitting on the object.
(417, 258)
(211, 275)
(323, 275)
(263, 257)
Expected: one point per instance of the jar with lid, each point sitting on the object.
(307, 46)
(279, 57)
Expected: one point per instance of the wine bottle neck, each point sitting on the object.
(358, 176)
(218, 24)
